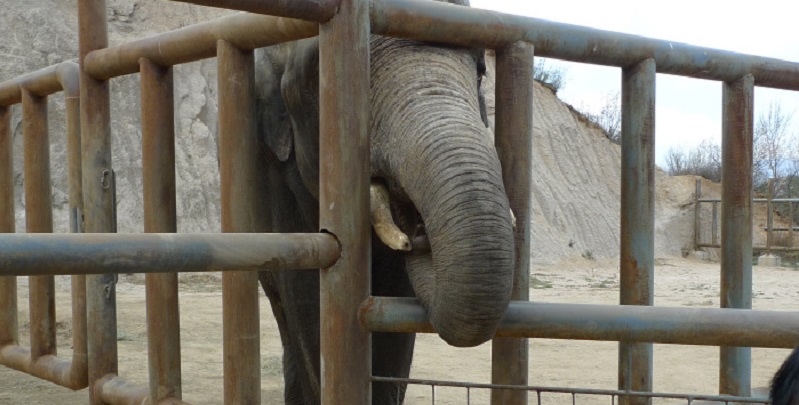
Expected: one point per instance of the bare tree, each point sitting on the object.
(550, 76)
(771, 144)
(704, 160)
(609, 116)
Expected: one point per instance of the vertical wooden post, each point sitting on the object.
(736, 225)
(346, 347)
(514, 141)
(637, 260)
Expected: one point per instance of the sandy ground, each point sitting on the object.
(679, 282)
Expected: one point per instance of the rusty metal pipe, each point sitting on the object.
(312, 10)
(514, 142)
(118, 391)
(634, 323)
(8, 285)
(63, 254)
(242, 202)
(38, 219)
(457, 25)
(196, 42)
(637, 250)
(736, 224)
(346, 348)
(52, 79)
(160, 215)
(98, 195)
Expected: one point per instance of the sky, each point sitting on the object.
(687, 110)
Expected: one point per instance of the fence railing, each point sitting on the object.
(344, 29)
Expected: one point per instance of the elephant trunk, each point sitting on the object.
(465, 281)
(441, 156)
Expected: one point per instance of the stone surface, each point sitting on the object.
(40, 33)
(576, 170)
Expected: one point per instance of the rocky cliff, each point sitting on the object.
(576, 170)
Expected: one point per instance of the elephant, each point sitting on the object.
(784, 387)
(436, 178)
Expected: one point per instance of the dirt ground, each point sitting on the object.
(679, 282)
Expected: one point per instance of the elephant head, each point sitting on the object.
(432, 151)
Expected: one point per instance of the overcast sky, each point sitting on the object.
(687, 110)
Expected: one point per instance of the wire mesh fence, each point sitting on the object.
(429, 391)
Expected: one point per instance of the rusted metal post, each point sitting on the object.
(8, 285)
(188, 44)
(736, 225)
(514, 142)
(158, 173)
(637, 260)
(770, 216)
(62, 254)
(312, 10)
(634, 323)
(238, 170)
(38, 219)
(714, 225)
(346, 348)
(697, 213)
(72, 102)
(98, 195)
(790, 223)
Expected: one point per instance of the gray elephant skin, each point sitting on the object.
(432, 151)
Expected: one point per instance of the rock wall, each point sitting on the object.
(576, 170)
(40, 33)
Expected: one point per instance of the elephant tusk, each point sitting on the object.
(512, 219)
(383, 223)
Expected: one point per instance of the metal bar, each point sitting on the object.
(790, 224)
(64, 254)
(38, 218)
(239, 172)
(158, 178)
(637, 261)
(69, 74)
(697, 213)
(714, 225)
(736, 224)
(195, 42)
(98, 195)
(118, 391)
(756, 249)
(463, 26)
(312, 10)
(52, 79)
(770, 216)
(346, 348)
(8, 285)
(514, 142)
(757, 200)
(635, 323)
(564, 390)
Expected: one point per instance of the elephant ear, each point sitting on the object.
(274, 123)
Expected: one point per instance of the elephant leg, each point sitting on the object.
(391, 352)
(294, 294)
(292, 386)
(299, 331)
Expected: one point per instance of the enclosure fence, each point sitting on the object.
(348, 312)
